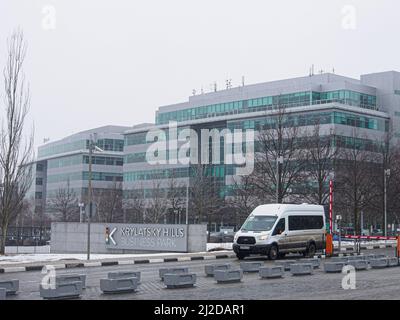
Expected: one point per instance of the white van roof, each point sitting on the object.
(280, 208)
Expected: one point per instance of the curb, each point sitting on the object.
(114, 263)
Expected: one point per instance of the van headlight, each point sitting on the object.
(236, 237)
(262, 238)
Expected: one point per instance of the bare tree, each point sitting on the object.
(243, 199)
(157, 205)
(176, 197)
(389, 157)
(279, 139)
(134, 205)
(205, 199)
(355, 172)
(109, 203)
(65, 204)
(16, 151)
(322, 154)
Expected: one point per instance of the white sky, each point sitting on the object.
(115, 62)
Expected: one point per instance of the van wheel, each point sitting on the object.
(240, 256)
(311, 250)
(273, 252)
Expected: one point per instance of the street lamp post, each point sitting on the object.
(92, 148)
(81, 205)
(386, 174)
(89, 214)
(279, 162)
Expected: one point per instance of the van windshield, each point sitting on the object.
(259, 223)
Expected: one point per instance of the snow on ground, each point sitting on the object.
(16, 255)
(53, 257)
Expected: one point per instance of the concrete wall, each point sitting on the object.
(72, 238)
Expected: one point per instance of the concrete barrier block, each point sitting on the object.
(124, 274)
(175, 270)
(285, 263)
(355, 258)
(73, 277)
(251, 266)
(210, 269)
(272, 272)
(179, 280)
(228, 276)
(314, 261)
(333, 267)
(393, 262)
(120, 285)
(68, 290)
(298, 269)
(11, 286)
(379, 263)
(2, 294)
(358, 264)
(369, 257)
(339, 259)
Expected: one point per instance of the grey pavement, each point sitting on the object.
(370, 284)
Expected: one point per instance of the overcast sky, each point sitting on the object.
(95, 62)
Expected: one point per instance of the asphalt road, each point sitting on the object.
(370, 284)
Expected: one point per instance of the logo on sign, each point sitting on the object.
(109, 236)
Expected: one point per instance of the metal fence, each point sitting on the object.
(27, 236)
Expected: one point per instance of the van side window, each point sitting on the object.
(305, 222)
(280, 227)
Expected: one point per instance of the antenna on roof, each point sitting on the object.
(228, 84)
(194, 92)
(45, 140)
(242, 81)
(215, 86)
(333, 70)
(312, 70)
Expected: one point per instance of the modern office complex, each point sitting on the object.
(342, 105)
(63, 165)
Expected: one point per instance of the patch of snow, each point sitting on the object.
(20, 257)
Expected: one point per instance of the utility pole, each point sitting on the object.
(89, 216)
(386, 174)
(92, 148)
(187, 203)
(279, 162)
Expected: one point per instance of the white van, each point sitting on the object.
(277, 229)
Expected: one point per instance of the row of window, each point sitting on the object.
(265, 103)
(217, 171)
(111, 144)
(336, 117)
(151, 193)
(96, 176)
(105, 144)
(107, 161)
(311, 119)
(46, 151)
(84, 159)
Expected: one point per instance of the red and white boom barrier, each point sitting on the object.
(370, 237)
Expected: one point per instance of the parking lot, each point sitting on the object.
(370, 284)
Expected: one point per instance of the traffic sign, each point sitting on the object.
(94, 209)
